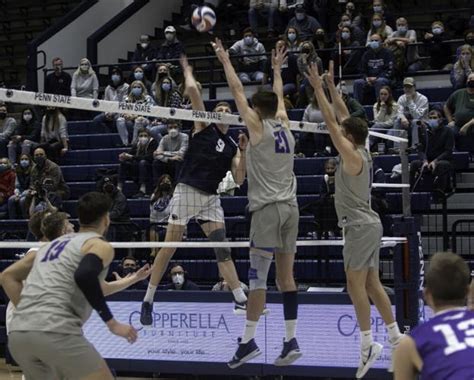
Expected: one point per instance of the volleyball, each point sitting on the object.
(203, 19)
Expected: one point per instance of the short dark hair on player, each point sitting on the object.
(357, 128)
(34, 224)
(223, 104)
(267, 103)
(53, 224)
(92, 206)
(448, 279)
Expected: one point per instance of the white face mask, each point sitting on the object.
(144, 45)
(178, 279)
(169, 36)
(173, 132)
(27, 117)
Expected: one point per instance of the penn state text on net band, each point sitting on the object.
(53, 100)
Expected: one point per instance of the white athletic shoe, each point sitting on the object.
(394, 346)
(368, 358)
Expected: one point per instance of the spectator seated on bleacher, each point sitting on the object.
(307, 56)
(459, 110)
(435, 153)
(289, 71)
(7, 129)
(54, 138)
(406, 57)
(462, 67)
(172, 48)
(7, 185)
(59, 81)
(160, 209)
(355, 15)
(16, 203)
(378, 6)
(306, 24)
(128, 266)
(145, 51)
(138, 74)
(84, 81)
(468, 40)
(249, 68)
(412, 111)
(379, 27)
(166, 93)
(292, 38)
(136, 164)
(357, 33)
(116, 91)
(268, 8)
(170, 153)
(376, 68)
(440, 53)
(26, 133)
(349, 58)
(322, 41)
(385, 112)
(130, 124)
(309, 144)
(353, 106)
(179, 279)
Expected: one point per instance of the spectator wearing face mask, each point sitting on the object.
(440, 53)
(84, 81)
(379, 27)
(130, 124)
(306, 24)
(166, 94)
(268, 8)
(463, 67)
(459, 111)
(172, 48)
(26, 134)
(435, 152)
(354, 14)
(378, 6)
(7, 129)
(116, 91)
(307, 57)
(128, 266)
(468, 39)
(160, 209)
(54, 138)
(136, 164)
(322, 42)
(179, 279)
(17, 202)
(349, 58)
(138, 74)
(376, 68)
(292, 38)
(59, 81)
(250, 68)
(7, 185)
(357, 34)
(170, 153)
(399, 42)
(145, 51)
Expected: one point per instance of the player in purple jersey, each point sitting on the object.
(443, 347)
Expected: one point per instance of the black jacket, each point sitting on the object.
(139, 153)
(60, 85)
(436, 144)
(119, 212)
(29, 131)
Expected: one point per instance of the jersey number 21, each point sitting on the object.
(281, 142)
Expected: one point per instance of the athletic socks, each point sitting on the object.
(290, 311)
(290, 329)
(393, 332)
(239, 295)
(150, 293)
(249, 331)
(365, 339)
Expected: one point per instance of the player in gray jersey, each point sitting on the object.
(362, 227)
(63, 284)
(272, 198)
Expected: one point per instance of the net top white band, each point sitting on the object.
(52, 100)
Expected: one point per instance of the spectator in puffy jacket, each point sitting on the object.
(7, 184)
(27, 133)
(59, 81)
(137, 162)
(7, 129)
(463, 67)
(54, 138)
(145, 51)
(250, 68)
(16, 203)
(172, 48)
(376, 68)
(440, 53)
(306, 25)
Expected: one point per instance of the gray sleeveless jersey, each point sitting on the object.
(270, 166)
(352, 197)
(51, 301)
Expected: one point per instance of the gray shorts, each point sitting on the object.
(275, 227)
(362, 246)
(44, 355)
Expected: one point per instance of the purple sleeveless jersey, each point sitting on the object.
(446, 346)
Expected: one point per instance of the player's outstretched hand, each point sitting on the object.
(123, 330)
(278, 57)
(221, 53)
(313, 76)
(243, 141)
(328, 76)
(143, 273)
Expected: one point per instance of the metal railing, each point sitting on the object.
(462, 236)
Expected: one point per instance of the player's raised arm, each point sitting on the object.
(12, 278)
(113, 287)
(192, 90)
(278, 57)
(250, 117)
(347, 149)
(339, 106)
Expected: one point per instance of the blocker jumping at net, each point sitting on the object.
(272, 199)
(361, 225)
(211, 154)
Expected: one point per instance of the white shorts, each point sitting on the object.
(189, 202)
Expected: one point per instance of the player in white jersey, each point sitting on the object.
(62, 286)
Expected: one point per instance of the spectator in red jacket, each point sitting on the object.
(7, 185)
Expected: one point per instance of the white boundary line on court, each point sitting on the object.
(50, 100)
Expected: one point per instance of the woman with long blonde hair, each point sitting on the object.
(463, 67)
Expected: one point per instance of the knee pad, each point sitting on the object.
(259, 267)
(222, 254)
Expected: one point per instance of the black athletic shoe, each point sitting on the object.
(289, 354)
(245, 352)
(146, 317)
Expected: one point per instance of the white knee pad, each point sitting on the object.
(260, 262)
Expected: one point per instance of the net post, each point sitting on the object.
(406, 203)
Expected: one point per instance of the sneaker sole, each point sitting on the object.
(245, 359)
(376, 352)
(288, 359)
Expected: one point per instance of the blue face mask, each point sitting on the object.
(377, 24)
(3, 168)
(137, 91)
(248, 40)
(24, 163)
(433, 123)
(437, 30)
(374, 44)
(138, 75)
(166, 87)
(115, 78)
(300, 16)
(345, 35)
(402, 29)
(291, 36)
(378, 8)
